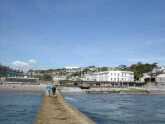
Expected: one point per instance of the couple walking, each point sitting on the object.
(51, 89)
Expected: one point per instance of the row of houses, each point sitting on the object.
(157, 75)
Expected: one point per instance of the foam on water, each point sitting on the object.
(70, 99)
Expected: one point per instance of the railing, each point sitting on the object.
(102, 83)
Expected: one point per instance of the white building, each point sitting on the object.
(114, 76)
(160, 78)
(72, 69)
(57, 78)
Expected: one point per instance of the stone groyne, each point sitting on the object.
(54, 110)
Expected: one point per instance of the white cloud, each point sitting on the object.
(20, 63)
(32, 61)
(23, 65)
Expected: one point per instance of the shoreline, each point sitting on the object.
(130, 90)
(63, 89)
(22, 87)
(55, 109)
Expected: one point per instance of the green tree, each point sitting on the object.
(6, 71)
(122, 67)
(139, 69)
(103, 69)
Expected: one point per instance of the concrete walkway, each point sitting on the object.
(54, 110)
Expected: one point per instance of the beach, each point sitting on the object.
(22, 87)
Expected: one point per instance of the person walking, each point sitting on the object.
(49, 87)
(54, 89)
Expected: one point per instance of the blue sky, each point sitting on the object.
(59, 33)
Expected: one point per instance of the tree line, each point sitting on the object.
(7, 71)
(139, 69)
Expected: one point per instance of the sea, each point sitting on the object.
(18, 107)
(120, 109)
(22, 107)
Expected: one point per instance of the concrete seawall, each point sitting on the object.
(55, 110)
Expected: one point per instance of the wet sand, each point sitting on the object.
(54, 110)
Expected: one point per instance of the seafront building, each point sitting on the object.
(72, 69)
(57, 78)
(112, 76)
(160, 78)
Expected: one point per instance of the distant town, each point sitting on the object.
(138, 74)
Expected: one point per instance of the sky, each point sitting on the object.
(59, 33)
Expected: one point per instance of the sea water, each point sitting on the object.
(19, 107)
(120, 109)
